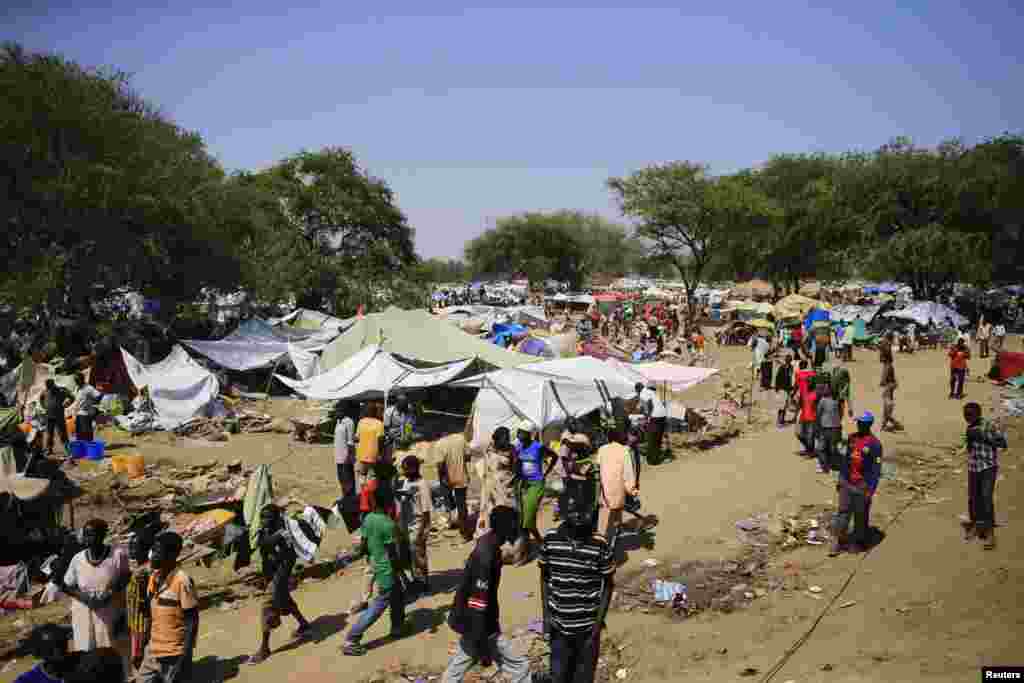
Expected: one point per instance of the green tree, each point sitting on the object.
(337, 232)
(103, 192)
(685, 216)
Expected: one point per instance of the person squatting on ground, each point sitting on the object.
(49, 642)
(984, 440)
(379, 535)
(475, 615)
(858, 479)
(174, 616)
(275, 545)
(416, 508)
(576, 571)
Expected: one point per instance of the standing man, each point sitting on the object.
(808, 419)
(533, 456)
(841, 390)
(174, 616)
(380, 543)
(889, 386)
(618, 479)
(398, 424)
(998, 337)
(983, 443)
(369, 434)
(984, 334)
(454, 475)
(415, 508)
(576, 570)
(830, 427)
(858, 479)
(88, 398)
(654, 409)
(474, 614)
(344, 450)
(958, 357)
(57, 399)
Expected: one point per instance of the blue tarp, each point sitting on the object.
(501, 332)
(814, 316)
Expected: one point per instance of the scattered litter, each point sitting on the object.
(622, 674)
(815, 589)
(750, 671)
(666, 591)
(748, 525)
(848, 603)
(826, 667)
(650, 562)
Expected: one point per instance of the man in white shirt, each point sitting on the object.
(87, 397)
(654, 409)
(998, 337)
(344, 452)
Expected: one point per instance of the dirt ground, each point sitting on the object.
(922, 605)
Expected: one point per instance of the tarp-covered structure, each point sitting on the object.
(850, 312)
(180, 388)
(306, 319)
(544, 393)
(927, 312)
(796, 306)
(373, 372)
(416, 335)
(677, 377)
(555, 346)
(258, 344)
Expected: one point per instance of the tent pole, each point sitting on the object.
(269, 380)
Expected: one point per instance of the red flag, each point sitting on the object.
(359, 311)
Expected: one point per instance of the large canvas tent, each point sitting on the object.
(676, 377)
(544, 393)
(796, 306)
(372, 373)
(305, 319)
(180, 388)
(416, 335)
(258, 344)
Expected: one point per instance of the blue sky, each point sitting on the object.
(475, 112)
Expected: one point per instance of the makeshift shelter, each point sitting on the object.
(850, 312)
(796, 306)
(503, 333)
(544, 393)
(815, 317)
(180, 388)
(810, 289)
(306, 319)
(416, 335)
(258, 344)
(109, 373)
(676, 377)
(557, 346)
(373, 373)
(753, 289)
(927, 312)
(750, 310)
(1010, 364)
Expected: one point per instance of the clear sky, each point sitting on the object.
(474, 112)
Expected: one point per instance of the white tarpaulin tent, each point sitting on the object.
(676, 377)
(180, 388)
(543, 393)
(850, 312)
(371, 373)
(258, 344)
(305, 319)
(924, 312)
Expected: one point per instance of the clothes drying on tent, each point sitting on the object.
(373, 372)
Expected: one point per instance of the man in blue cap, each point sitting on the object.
(859, 472)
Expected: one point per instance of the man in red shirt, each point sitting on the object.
(801, 385)
(858, 479)
(958, 357)
(808, 421)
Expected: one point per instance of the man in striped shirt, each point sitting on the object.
(576, 587)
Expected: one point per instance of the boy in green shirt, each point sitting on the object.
(380, 543)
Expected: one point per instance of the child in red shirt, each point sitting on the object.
(808, 421)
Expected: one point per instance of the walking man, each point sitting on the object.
(380, 543)
(453, 473)
(984, 334)
(344, 450)
(858, 478)
(983, 443)
(474, 613)
(618, 480)
(654, 409)
(830, 427)
(576, 570)
(889, 386)
(415, 509)
(998, 337)
(174, 616)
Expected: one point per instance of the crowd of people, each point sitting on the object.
(144, 592)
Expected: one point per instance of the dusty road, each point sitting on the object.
(923, 605)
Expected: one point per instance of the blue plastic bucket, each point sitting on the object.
(94, 450)
(77, 449)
